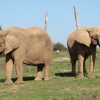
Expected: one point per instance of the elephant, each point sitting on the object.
(31, 46)
(82, 44)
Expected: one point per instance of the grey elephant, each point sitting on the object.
(81, 45)
(29, 46)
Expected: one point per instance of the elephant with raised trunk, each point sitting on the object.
(29, 46)
(81, 45)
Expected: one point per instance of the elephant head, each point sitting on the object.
(94, 33)
(2, 41)
(11, 43)
(8, 42)
(89, 36)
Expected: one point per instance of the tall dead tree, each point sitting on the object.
(46, 22)
(76, 16)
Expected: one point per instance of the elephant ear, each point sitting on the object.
(11, 43)
(83, 37)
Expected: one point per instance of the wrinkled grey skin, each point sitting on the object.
(29, 46)
(81, 45)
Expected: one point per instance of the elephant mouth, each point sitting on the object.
(1, 53)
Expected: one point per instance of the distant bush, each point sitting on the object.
(59, 46)
(98, 50)
(0, 27)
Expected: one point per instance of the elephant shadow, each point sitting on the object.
(69, 74)
(29, 78)
(65, 74)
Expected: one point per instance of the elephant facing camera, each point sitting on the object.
(82, 44)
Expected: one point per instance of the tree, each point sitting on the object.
(59, 46)
(0, 27)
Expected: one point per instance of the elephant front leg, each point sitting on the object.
(18, 65)
(39, 74)
(9, 66)
(73, 72)
(80, 68)
(91, 66)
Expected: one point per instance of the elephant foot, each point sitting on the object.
(80, 76)
(38, 79)
(19, 81)
(90, 75)
(85, 74)
(47, 78)
(73, 73)
(8, 81)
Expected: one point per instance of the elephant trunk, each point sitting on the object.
(2, 48)
(99, 42)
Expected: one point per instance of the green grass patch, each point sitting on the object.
(60, 87)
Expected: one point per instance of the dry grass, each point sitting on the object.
(61, 59)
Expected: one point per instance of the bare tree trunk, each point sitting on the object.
(46, 22)
(76, 16)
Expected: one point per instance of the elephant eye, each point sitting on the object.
(96, 35)
(0, 44)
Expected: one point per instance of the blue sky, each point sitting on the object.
(30, 13)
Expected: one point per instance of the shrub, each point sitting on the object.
(0, 27)
(59, 46)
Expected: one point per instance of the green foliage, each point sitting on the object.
(0, 27)
(59, 46)
(61, 86)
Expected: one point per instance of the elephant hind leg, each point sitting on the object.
(92, 63)
(84, 68)
(39, 75)
(80, 68)
(46, 71)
